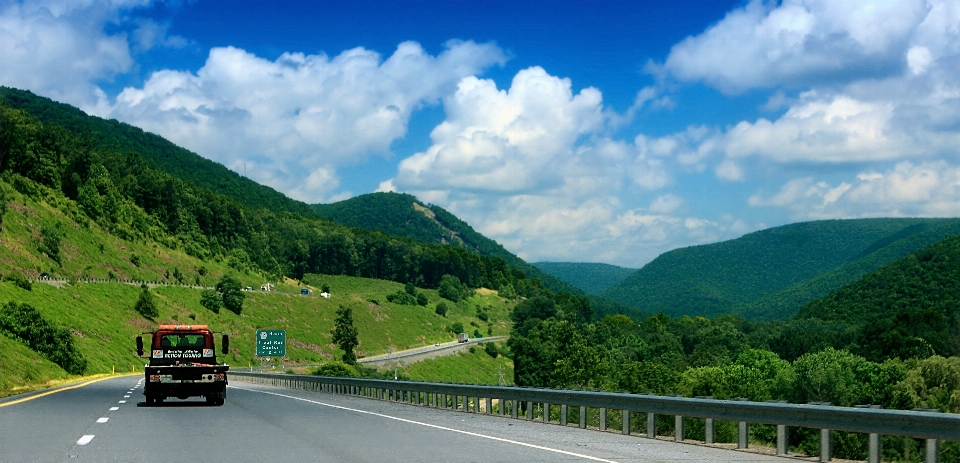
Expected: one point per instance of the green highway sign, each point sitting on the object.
(271, 343)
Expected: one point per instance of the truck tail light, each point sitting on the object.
(154, 378)
(219, 377)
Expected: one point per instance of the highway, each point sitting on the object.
(108, 421)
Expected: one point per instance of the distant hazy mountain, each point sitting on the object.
(771, 274)
(404, 215)
(594, 278)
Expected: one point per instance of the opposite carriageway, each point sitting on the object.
(522, 402)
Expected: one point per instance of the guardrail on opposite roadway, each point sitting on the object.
(521, 402)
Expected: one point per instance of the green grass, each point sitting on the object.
(23, 369)
(103, 323)
(464, 367)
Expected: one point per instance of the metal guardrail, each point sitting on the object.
(919, 424)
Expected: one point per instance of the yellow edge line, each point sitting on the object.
(5, 404)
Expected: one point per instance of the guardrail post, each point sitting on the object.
(873, 451)
(932, 453)
(513, 408)
(678, 428)
(782, 439)
(708, 431)
(546, 412)
(625, 421)
(563, 414)
(476, 405)
(603, 419)
(488, 401)
(651, 425)
(743, 435)
(530, 410)
(825, 445)
(583, 417)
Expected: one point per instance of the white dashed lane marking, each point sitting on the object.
(85, 439)
(122, 401)
(102, 420)
(113, 409)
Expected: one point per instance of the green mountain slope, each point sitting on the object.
(404, 215)
(594, 278)
(129, 199)
(908, 308)
(926, 280)
(102, 322)
(160, 154)
(770, 274)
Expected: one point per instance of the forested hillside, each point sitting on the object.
(125, 196)
(891, 338)
(404, 215)
(156, 152)
(770, 274)
(594, 278)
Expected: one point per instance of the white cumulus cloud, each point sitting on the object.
(799, 42)
(294, 120)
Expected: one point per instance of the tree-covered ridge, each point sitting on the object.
(124, 195)
(391, 213)
(157, 152)
(403, 215)
(770, 274)
(594, 278)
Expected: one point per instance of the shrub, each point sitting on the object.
(338, 369)
(50, 243)
(231, 293)
(422, 300)
(491, 350)
(211, 300)
(24, 323)
(450, 288)
(135, 260)
(410, 289)
(402, 298)
(457, 327)
(19, 280)
(441, 309)
(145, 305)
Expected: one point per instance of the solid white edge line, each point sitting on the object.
(500, 439)
(85, 439)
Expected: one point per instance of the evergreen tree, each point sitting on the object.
(145, 305)
(345, 334)
(232, 293)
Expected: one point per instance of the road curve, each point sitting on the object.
(97, 422)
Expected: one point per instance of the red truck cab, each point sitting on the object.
(183, 363)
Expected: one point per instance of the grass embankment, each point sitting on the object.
(101, 318)
(476, 367)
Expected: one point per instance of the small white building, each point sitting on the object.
(267, 287)
(325, 295)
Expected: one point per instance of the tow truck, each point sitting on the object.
(183, 364)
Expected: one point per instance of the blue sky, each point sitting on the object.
(567, 131)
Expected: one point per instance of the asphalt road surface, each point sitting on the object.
(108, 421)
